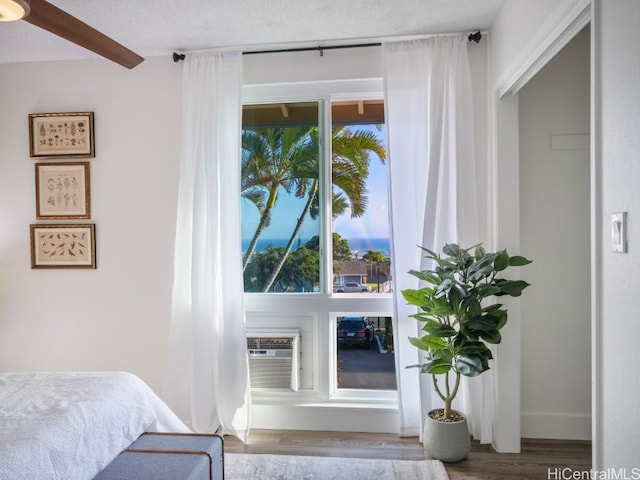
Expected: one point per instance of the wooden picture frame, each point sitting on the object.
(55, 135)
(63, 190)
(63, 246)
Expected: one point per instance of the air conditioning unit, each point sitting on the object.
(274, 359)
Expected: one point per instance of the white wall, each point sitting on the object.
(617, 123)
(554, 213)
(115, 317)
(517, 22)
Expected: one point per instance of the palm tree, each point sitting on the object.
(269, 162)
(351, 150)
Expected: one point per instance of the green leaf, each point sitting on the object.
(487, 290)
(512, 288)
(437, 366)
(502, 261)
(441, 307)
(428, 343)
(492, 308)
(438, 329)
(491, 337)
(452, 249)
(475, 348)
(482, 268)
(426, 276)
(443, 288)
(423, 316)
(470, 365)
(485, 323)
(518, 261)
(455, 297)
(432, 254)
(486, 327)
(502, 315)
(471, 304)
(467, 332)
(415, 297)
(480, 252)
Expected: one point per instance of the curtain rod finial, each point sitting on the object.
(475, 37)
(178, 57)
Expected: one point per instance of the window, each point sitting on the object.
(283, 187)
(360, 222)
(281, 195)
(314, 180)
(364, 357)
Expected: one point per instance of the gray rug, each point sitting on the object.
(240, 466)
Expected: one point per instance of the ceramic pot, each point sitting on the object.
(446, 441)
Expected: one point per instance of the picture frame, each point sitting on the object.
(55, 135)
(63, 245)
(63, 190)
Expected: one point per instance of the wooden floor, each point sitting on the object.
(538, 459)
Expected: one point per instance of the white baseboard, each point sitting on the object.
(561, 426)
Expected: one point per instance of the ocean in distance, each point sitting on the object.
(360, 245)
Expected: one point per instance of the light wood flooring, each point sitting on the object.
(536, 460)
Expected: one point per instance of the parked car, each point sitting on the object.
(350, 287)
(354, 331)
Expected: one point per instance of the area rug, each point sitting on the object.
(241, 466)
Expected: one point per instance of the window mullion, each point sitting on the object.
(326, 270)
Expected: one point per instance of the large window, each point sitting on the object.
(315, 242)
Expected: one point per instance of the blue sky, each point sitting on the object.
(373, 224)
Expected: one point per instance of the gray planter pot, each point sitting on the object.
(446, 441)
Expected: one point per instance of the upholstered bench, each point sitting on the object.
(169, 456)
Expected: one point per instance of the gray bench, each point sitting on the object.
(169, 456)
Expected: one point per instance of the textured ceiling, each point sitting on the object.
(159, 27)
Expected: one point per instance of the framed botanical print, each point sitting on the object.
(67, 135)
(62, 190)
(63, 246)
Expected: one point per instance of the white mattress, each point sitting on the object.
(69, 426)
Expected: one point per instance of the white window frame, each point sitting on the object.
(323, 307)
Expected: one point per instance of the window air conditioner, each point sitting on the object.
(274, 359)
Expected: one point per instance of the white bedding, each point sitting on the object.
(69, 426)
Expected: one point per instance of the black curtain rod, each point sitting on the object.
(177, 57)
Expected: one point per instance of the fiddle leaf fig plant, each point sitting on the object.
(457, 321)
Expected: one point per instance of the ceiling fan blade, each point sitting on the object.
(57, 21)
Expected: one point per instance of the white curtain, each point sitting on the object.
(429, 117)
(207, 372)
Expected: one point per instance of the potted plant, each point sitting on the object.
(459, 324)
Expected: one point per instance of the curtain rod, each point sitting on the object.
(177, 57)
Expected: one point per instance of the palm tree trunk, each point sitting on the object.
(292, 239)
(254, 241)
(264, 220)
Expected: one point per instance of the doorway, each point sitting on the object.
(554, 123)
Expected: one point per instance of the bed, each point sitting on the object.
(71, 425)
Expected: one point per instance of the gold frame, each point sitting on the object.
(63, 245)
(63, 190)
(55, 135)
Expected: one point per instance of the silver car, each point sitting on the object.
(351, 287)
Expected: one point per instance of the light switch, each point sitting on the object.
(619, 232)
